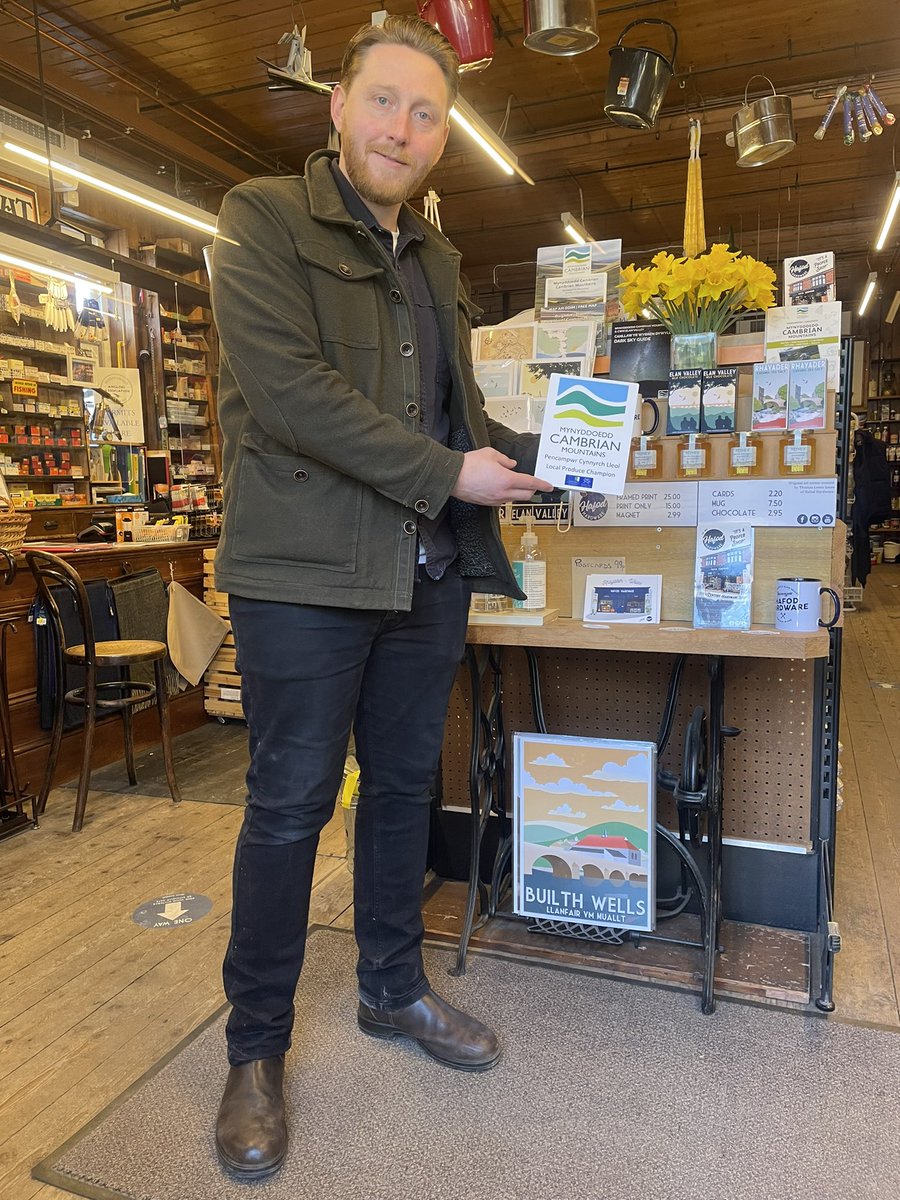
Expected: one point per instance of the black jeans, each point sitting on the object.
(310, 673)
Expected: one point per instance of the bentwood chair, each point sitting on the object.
(96, 697)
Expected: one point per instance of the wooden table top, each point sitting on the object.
(669, 637)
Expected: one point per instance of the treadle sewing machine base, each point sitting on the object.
(756, 963)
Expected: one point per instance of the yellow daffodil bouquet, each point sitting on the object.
(698, 295)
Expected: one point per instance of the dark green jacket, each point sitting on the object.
(324, 468)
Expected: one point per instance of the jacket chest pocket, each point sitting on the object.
(345, 289)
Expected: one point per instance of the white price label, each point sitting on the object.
(785, 503)
(641, 504)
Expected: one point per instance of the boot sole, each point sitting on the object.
(244, 1172)
(387, 1034)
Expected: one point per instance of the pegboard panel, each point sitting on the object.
(809, 553)
(768, 769)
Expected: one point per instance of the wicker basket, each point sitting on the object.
(13, 525)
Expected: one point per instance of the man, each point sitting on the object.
(361, 480)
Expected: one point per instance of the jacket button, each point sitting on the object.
(421, 506)
(301, 476)
(344, 269)
(396, 295)
(412, 410)
(409, 527)
(407, 349)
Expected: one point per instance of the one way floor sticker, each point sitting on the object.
(168, 911)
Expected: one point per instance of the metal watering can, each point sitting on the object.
(762, 130)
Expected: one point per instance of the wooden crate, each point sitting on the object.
(222, 690)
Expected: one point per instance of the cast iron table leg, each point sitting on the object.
(713, 915)
(487, 771)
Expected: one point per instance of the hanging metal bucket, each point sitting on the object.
(560, 27)
(762, 130)
(638, 79)
(466, 24)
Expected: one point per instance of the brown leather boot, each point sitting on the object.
(251, 1132)
(452, 1037)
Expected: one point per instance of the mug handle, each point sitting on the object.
(837, 607)
(653, 428)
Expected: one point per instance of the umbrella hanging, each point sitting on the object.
(694, 228)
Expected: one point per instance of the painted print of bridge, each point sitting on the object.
(591, 858)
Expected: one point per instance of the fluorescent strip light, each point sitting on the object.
(575, 229)
(26, 256)
(468, 119)
(108, 181)
(888, 221)
(868, 293)
(10, 260)
(892, 311)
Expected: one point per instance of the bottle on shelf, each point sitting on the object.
(744, 455)
(530, 570)
(796, 454)
(646, 458)
(693, 457)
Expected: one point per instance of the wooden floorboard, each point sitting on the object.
(867, 864)
(89, 1000)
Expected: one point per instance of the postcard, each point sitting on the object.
(586, 435)
(806, 394)
(723, 576)
(685, 388)
(497, 378)
(584, 817)
(584, 566)
(717, 400)
(504, 342)
(536, 372)
(511, 411)
(564, 339)
(622, 599)
(770, 395)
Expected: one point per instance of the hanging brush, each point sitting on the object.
(91, 326)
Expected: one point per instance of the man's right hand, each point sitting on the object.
(488, 477)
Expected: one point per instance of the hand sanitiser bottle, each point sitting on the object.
(530, 571)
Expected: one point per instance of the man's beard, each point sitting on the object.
(383, 192)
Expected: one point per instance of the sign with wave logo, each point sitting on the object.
(586, 433)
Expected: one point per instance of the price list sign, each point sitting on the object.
(673, 504)
(781, 503)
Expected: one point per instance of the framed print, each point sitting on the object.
(584, 813)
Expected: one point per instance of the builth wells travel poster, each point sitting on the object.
(584, 812)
